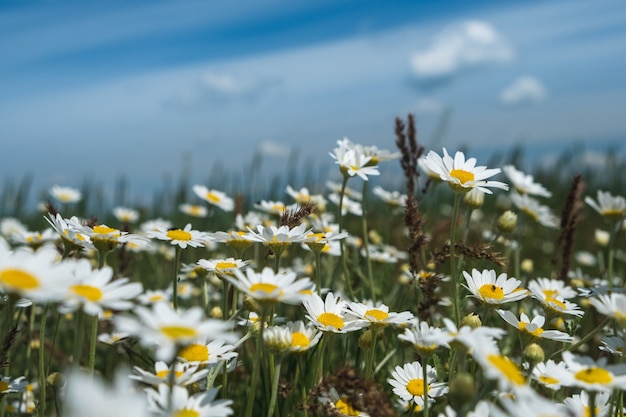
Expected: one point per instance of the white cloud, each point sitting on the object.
(524, 90)
(269, 148)
(460, 47)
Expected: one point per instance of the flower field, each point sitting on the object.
(467, 290)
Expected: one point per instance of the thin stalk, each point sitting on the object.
(318, 271)
(370, 275)
(371, 356)
(92, 343)
(78, 341)
(453, 271)
(344, 261)
(41, 410)
(583, 340)
(272, 409)
(175, 276)
(425, 380)
(255, 367)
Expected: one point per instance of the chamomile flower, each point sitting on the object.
(555, 304)
(352, 161)
(95, 290)
(65, 195)
(578, 405)
(10, 226)
(34, 240)
(612, 305)
(181, 237)
(175, 401)
(329, 315)
(614, 345)
(348, 205)
(168, 330)
(340, 404)
(528, 404)
(279, 238)
(183, 374)
(493, 290)
(609, 206)
(303, 337)
(155, 225)
(207, 353)
(591, 375)
(533, 328)
(303, 195)
(469, 336)
(524, 183)
(392, 198)
(335, 188)
(223, 266)
(462, 175)
(154, 296)
(194, 210)
(235, 239)
(498, 366)
(533, 209)
(424, 338)
(378, 316)
(546, 373)
(325, 242)
(105, 238)
(214, 197)
(88, 395)
(9, 385)
(271, 207)
(551, 287)
(125, 214)
(71, 231)
(268, 287)
(408, 382)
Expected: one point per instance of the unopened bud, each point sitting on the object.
(216, 313)
(472, 320)
(56, 380)
(534, 354)
(602, 237)
(475, 198)
(507, 221)
(365, 341)
(251, 304)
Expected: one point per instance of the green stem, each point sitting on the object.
(344, 261)
(592, 403)
(255, 367)
(370, 275)
(92, 343)
(371, 356)
(318, 271)
(584, 339)
(175, 276)
(425, 380)
(41, 410)
(453, 271)
(78, 341)
(272, 409)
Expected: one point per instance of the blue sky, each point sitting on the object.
(135, 88)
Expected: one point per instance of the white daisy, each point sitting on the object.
(555, 304)
(348, 205)
(424, 338)
(214, 197)
(533, 328)
(408, 382)
(329, 315)
(613, 345)
(591, 375)
(392, 198)
(183, 374)
(378, 315)
(303, 337)
(65, 195)
(269, 287)
(193, 210)
(533, 209)
(11, 385)
(335, 188)
(271, 207)
(207, 353)
(462, 175)
(608, 205)
(551, 288)
(612, 305)
(524, 183)
(578, 404)
(352, 161)
(546, 373)
(223, 266)
(498, 366)
(493, 290)
(125, 214)
(175, 401)
(154, 296)
(181, 237)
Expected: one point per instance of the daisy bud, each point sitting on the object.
(534, 354)
(474, 199)
(462, 389)
(472, 320)
(507, 221)
(56, 380)
(216, 313)
(527, 265)
(365, 341)
(375, 237)
(251, 304)
(277, 339)
(602, 237)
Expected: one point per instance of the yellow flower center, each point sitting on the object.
(594, 376)
(89, 292)
(318, 236)
(614, 213)
(462, 175)
(536, 332)
(330, 320)
(196, 210)
(195, 353)
(178, 234)
(491, 291)
(178, 332)
(212, 197)
(550, 293)
(416, 387)
(376, 314)
(165, 373)
(533, 215)
(548, 380)
(507, 367)
(225, 265)
(3, 386)
(156, 297)
(105, 230)
(263, 286)
(18, 279)
(299, 339)
(344, 407)
(587, 411)
(186, 413)
(555, 304)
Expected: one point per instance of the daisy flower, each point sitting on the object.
(194, 210)
(303, 337)
(462, 175)
(278, 339)
(223, 266)
(207, 353)
(469, 336)
(378, 316)
(498, 366)
(591, 375)
(168, 330)
(278, 238)
(181, 237)
(9, 385)
(348, 205)
(105, 238)
(154, 296)
(424, 338)
(340, 404)
(612, 305)
(329, 315)
(551, 288)
(34, 240)
(377, 155)
(491, 290)
(183, 374)
(268, 287)
(71, 231)
(94, 291)
(325, 242)
(88, 395)
(533, 329)
(545, 373)
(65, 195)
(555, 304)
(10, 226)
(408, 383)
(36, 276)
(175, 401)
(578, 404)
(352, 161)
(613, 344)
(528, 404)
(533, 209)
(392, 198)
(609, 206)
(271, 207)
(214, 197)
(155, 225)
(335, 188)
(523, 183)
(304, 196)
(125, 214)
(235, 239)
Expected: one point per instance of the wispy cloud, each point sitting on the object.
(460, 47)
(523, 90)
